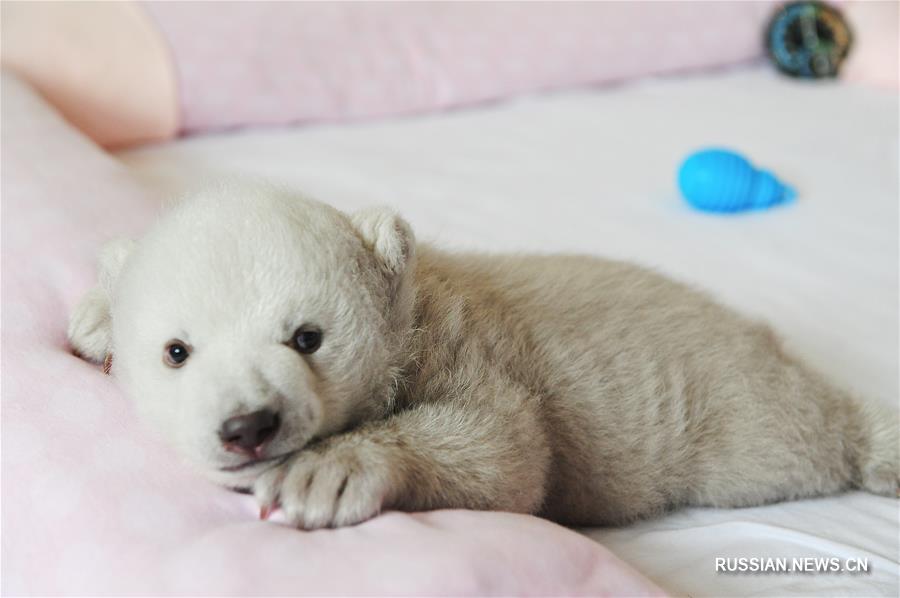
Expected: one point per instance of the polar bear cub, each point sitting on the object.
(337, 368)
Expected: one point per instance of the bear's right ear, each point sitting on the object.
(388, 236)
(390, 240)
(90, 326)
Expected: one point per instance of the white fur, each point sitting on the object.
(585, 390)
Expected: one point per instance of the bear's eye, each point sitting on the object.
(307, 339)
(175, 354)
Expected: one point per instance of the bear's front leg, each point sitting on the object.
(488, 451)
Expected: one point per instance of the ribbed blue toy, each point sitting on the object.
(720, 180)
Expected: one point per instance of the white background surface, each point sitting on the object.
(594, 172)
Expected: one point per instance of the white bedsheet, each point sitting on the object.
(594, 172)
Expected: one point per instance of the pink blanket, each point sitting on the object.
(92, 504)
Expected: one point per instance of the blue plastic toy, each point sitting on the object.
(719, 180)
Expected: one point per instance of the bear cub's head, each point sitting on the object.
(245, 325)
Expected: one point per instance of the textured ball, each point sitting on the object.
(718, 180)
(808, 39)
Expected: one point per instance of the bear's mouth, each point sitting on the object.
(276, 460)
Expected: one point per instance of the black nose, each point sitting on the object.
(247, 433)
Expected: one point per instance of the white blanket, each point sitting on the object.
(594, 172)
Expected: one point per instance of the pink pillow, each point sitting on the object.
(126, 73)
(271, 63)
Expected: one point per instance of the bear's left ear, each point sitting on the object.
(388, 236)
(90, 325)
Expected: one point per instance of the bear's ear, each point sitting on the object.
(388, 236)
(90, 326)
(111, 261)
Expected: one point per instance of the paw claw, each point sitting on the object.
(327, 488)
